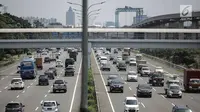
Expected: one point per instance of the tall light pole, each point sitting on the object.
(94, 11)
(89, 6)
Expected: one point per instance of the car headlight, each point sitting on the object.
(154, 80)
(180, 92)
(190, 87)
(199, 87)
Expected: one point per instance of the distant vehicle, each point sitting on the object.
(121, 66)
(43, 80)
(128, 50)
(159, 69)
(141, 62)
(115, 51)
(156, 78)
(16, 106)
(107, 53)
(69, 61)
(174, 91)
(132, 62)
(130, 59)
(116, 85)
(50, 106)
(131, 104)
(47, 60)
(132, 76)
(139, 67)
(111, 57)
(169, 82)
(108, 49)
(138, 57)
(191, 80)
(54, 70)
(110, 78)
(28, 69)
(145, 71)
(103, 60)
(181, 108)
(115, 61)
(17, 83)
(39, 63)
(50, 74)
(144, 90)
(105, 67)
(70, 70)
(44, 53)
(125, 55)
(60, 85)
(73, 54)
(59, 64)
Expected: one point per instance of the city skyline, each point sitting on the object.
(57, 9)
(70, 17)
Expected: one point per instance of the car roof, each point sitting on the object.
(13, 102)
(144, 85)
(17, 78)
(132, 72)
(173, 85)
(158, 67)
(112, 76)
(181, 106)
(131, 98)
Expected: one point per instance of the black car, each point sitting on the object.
(14, 107)
(70, 70)
(50, 74)
(47, 60)
(43, 80)
(156, 78)
(105, 67)
(116, 85)
(69, 61)
(115, 61)
(144, 90)
(54, 70)
(115, 51)
(121, 66)
(181, 108)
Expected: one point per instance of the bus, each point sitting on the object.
(28, 69)
(127, 50)
(138, 57)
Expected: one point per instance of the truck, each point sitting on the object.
(38, 63)
(73, 54)
(108, 49)
(191, 80)
(127, 50)
(28, 69)
(138, 57)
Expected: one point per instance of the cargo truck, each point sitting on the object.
(191, 80)
(38, 63)
(73, 54)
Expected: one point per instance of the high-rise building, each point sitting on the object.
(70, 17)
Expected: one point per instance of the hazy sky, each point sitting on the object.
(57, 8)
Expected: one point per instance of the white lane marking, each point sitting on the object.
(23, 91)
(154, 89)
(8, 68)
(143, 104)
(163, 96)
(41, 101)
(125, 83)
(130, 88)
(72, 101)
(17, 96)
(35, 80)
(36, 108)
(173, 104)
(28, 87)
(13, 73)
(45, 96)
(0, 91)
(51, 86)
(31, 84)
(6, 76)
(191, 97)
(2, 78)
(113, 110)
(122, 77)
(49, 91)
(6, 87)
(141, 78)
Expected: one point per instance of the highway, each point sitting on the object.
(32, 95)
(113, 102)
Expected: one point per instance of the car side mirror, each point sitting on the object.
(58, 104)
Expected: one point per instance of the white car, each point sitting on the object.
(59, 64)
(159, 69)
(103, 60)
(107, 53)
(132, 62)
(132, 76)
(17, 83)
(145, 71)
(59, 61)
(50, 106)
(131, 104)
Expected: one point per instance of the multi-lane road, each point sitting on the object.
(32, 95)
(113, 102)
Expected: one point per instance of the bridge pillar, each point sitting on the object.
(181, 35)
(89, 53)
(194, 26)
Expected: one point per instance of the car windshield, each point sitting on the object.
(112, 77)
(145, 68)
(42, 76)
(183, 110)
(131, 102)
(59, 82)
(49, 104)
(13, 105)
(174, 87)
(116, 82)
(195, 81)
(15, 80)
(132, 73)
(144, 87)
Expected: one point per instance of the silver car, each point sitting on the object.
(110, 78)
(60, 85)
(50, 106)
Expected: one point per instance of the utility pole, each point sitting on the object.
(84, 88)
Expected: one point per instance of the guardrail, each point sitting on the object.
(172, 65)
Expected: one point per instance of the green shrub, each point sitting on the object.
(91, 102)
(90, 96)
(90, 89)
(91, 109)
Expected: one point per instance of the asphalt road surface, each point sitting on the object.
(32, 95)
(113, 102)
